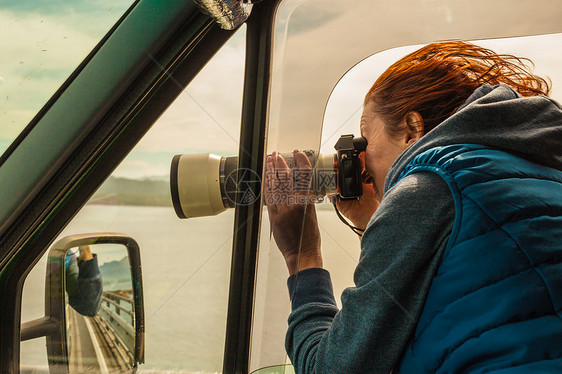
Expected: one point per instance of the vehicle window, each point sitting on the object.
(319, 79)
(42, 43)
(185, 262)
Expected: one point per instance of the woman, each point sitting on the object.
(83, 281)
(461, 263)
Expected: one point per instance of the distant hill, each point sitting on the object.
(124, 191)
(116, 271)
(145, 192)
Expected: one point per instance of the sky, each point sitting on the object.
(43, 44)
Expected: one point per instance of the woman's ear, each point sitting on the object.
(414, 127)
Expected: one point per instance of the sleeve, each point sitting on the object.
(401, 251)
(86, 300)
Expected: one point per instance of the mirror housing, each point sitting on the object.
(54, 324)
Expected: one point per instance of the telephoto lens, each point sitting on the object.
(207, 184)
(197, 184)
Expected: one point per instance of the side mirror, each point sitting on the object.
(94, 313)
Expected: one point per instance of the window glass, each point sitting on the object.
(33, 355)
(42, 43)
(185, 263)
(316, 43)
(343, 111)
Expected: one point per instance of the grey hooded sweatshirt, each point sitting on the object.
(402, 246)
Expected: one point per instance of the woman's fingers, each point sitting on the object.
(283, 174)
(302, 160)
(279, 182)
(270, 182)
(285, 186)
(360, 211)
(303, 174)
(280, 162)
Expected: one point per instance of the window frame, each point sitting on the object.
(251, 155)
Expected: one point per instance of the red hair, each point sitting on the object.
(438, 78)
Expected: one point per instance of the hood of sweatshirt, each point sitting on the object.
(500, 118)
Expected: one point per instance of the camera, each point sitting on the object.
(207, 184)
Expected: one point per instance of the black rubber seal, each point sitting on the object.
(174, 186)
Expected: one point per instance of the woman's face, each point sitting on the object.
(382, 148)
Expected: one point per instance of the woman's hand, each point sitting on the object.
(85, 253)
(360, 211)
(291, 212)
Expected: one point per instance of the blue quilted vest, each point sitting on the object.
(495, 304)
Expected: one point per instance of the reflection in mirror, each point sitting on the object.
(99, 307)
(83, 280)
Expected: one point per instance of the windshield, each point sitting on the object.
(42, 43)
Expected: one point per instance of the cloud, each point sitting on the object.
(41, 49)
(41, 46)
(206, 116)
